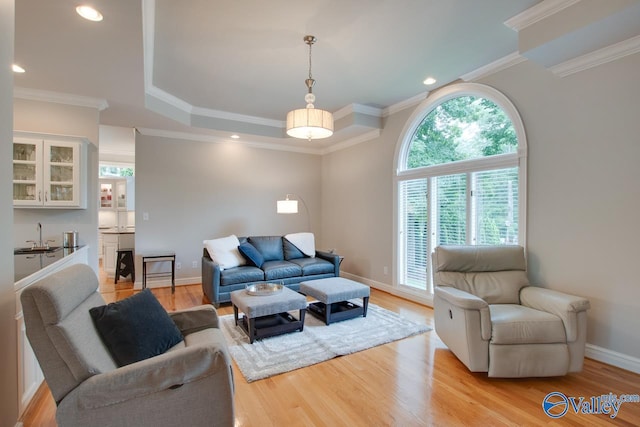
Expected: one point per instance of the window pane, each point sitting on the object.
(450, 209)
(496, 207)
(414, 205)
(461, 128)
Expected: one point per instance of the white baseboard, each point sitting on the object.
(166, 282)
(405, 293)
(594, 352)
(613, 358)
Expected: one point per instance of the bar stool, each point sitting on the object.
(125, 264)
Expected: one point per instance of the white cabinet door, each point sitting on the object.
(29, 373)
(110, 242)
(49, 173)
(107, 192)
(27, 172)
(61, 174)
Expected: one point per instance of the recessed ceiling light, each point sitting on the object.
(88, 12)
(17, 69)
(429, 81)
(234, 136)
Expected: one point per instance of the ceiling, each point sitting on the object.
(216, 68)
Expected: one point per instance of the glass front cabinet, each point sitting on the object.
(49, 172)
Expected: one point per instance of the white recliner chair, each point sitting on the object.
(493, 321)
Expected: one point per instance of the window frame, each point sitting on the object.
(516, 159)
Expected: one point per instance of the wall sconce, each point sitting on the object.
(290, 206)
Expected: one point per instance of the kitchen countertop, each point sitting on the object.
(26, 265)
(114, 230)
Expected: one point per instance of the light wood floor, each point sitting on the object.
(411, 382)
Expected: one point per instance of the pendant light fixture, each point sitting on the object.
(310, 122)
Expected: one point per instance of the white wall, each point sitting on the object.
(357, 205)
(584, 189)
(203, 190)
(52, 118)
(8, 338)
(584, 192)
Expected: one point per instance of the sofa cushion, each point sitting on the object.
(274, 270)
(303, 241)
(291, 251)
(251, 254)
(242, 274)
(269, 246)
(517, 324)
(135, 328)
(224, 251)
(311, 266)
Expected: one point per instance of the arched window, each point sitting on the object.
(461, 170)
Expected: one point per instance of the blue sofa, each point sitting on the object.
(283, 262)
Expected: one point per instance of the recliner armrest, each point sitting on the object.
(563, 305)
(466, 301)
(461, 299)
(195, 319)
(141, 379)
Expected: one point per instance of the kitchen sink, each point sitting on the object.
(22, 251)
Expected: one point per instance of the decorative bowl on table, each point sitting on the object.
(262, 289)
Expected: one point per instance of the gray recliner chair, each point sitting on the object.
(189, 385)
(493, 321)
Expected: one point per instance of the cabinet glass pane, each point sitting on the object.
(24, 191)
(106, 192)
(24, 152)
(61, 173)
(61, 192)
(24, 172)
(61, 154)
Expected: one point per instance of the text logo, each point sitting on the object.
(556, 404)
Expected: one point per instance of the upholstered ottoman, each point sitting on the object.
(267, 315)
(333, 295)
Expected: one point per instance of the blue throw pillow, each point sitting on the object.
(251, 254)
(291, 251)
(135, 328)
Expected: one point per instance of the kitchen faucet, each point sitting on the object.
(40, 244)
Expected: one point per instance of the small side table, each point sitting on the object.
(159, 257)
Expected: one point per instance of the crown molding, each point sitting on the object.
(352, 141)
(261, 145)
(219, 140)
(411, 102)
(493, 67)
(60, 98)
(357, 108)
(598, 57)
(537, 13)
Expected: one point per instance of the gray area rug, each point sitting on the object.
(316, 343)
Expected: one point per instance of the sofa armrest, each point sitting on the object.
(466, 301)
(562, 305)
(157, 374)
(332, 258)
(210, 278)
(195, 319)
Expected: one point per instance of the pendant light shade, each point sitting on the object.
(310, 122)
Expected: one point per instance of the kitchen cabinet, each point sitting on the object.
(112, 241)
(117, 193)
(49, 171)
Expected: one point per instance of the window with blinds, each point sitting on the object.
(459, 183)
